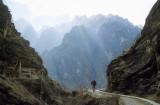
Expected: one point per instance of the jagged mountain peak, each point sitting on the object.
(76, 36)
(98, 17)
(82, 51)
(76, 31)
(78, 28)
(79, 20)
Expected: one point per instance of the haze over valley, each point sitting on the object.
(77, 50)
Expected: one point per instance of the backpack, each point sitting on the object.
(93, 83)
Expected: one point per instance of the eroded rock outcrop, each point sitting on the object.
(137, 70)
(23, 79)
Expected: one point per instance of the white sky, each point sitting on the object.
(134, 10)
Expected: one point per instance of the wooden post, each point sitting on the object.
(5, 32)
(20, 68)
(5, 68)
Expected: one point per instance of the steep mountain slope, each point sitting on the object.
(82, 56)
(137, 70)
(27, 31)
(23, 79)
(72, 60)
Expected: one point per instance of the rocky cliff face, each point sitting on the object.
(71, 62)
(137, 70)
(23, 79)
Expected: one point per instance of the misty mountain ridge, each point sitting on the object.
(93, 23)
(87, 47)
(55, 39)
(83, 55)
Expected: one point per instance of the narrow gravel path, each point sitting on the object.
(124, 99)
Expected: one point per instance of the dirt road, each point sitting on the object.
(124, 99)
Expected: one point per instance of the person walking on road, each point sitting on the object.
(93, 85)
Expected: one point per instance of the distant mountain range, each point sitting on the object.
(49, 37)
(45, 39)
(87, 49)
(82, 48)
